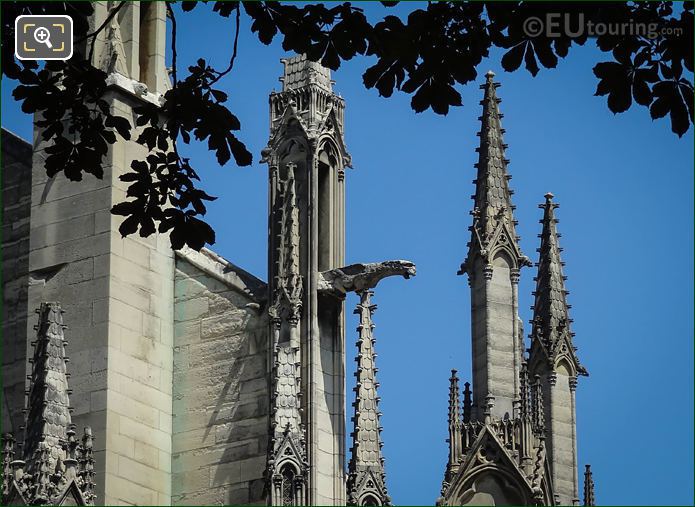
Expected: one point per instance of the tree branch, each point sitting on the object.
(98, 30)
(174, 75)
(103, 25)
(234, 51)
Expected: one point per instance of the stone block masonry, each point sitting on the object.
(16, 200)
(118, 297)
(221, 388)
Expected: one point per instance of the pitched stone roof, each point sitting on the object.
(300, 72)
(226, 272)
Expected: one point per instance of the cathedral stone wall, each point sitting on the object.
(16, 200)
(221, 386)
(118, 296)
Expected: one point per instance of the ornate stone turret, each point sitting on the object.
(492, 265)
(366, 476)
(553, 358)
(589, 495)
(307, 157)
(58, 467)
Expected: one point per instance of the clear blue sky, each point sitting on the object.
(625, 185)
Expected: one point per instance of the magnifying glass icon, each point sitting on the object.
(43, 36)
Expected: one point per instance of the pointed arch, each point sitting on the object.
(565, 366)
(329, 163)
(293, 149)
(491, 485)
(288, 473)
(489, 475)
(369, 500)
(329, 152)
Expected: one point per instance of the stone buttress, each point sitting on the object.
(119, 291)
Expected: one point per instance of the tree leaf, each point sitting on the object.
(512, 58)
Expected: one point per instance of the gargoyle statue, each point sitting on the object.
(361, 277)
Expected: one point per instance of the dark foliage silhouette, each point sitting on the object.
(427, 55)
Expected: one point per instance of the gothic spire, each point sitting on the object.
(493, 219)
(551, 322)
(48, 415)
(50, 449)
(589, 495)
(454, 423)
(367, 479)
(455, 439)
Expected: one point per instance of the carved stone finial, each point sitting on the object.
(467, 402)
(48, 417)
(489, 404)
